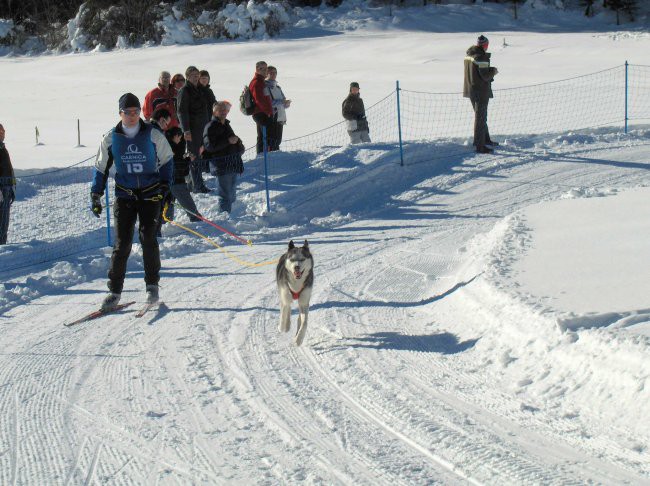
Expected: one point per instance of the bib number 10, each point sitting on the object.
(135, 168)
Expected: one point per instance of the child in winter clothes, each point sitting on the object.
(179, 188)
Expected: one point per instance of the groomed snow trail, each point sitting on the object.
(391, 386)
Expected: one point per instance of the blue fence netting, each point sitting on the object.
(50, 218)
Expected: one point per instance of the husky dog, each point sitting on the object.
(295, 278)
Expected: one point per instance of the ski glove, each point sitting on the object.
(166, 194)
(96, 204)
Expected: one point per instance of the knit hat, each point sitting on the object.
(354, 85)
(482, 41)
(129, 100)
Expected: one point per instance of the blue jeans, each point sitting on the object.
(227, 188)
(5, 208)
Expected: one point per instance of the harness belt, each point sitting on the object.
(137, 193)
(295, 295)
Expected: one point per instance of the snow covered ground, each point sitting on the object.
(478, 319)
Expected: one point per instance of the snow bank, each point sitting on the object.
(546, 348)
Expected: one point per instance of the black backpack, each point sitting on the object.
(246, 102)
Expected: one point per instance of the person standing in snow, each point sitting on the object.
(162, 96)
(193, 117)
(225, 148)
(477, 87)
(7, 187)
(143, 173)
(210, 98)
(263, 114)
(280, 103)
(355, 114)
(182, 160)
(178, 81)
(161, 119)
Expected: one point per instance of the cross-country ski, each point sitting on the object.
(99, 313)
(149, 307)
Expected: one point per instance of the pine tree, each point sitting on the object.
(627, 7)
(589, 7)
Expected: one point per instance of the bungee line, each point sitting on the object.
(213, 243)
(239, 238)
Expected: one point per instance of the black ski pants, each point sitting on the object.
(274, 134)
(126, 211)
(481, 132)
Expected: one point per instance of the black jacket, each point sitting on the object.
(181, 162)
(7, 177)
(478, 74)
(210, 99)
(193, 111)
(353, 109)
(227, 155)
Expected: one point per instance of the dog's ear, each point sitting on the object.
(291, 245)
(306, 245)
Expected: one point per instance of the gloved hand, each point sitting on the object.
(12, 196)
(96, 204)
(166, 194)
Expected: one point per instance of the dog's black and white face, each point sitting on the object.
(298, 261)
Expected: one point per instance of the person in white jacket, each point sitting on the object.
(280, 104)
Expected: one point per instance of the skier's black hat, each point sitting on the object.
(482, 40)
(129, 100)
(354, 84)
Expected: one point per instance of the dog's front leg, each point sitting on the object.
(285, 311)
(303, 307)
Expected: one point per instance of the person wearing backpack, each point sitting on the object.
(263, 113)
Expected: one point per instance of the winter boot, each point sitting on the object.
(110, 302)
(152, 294)
(484, 150)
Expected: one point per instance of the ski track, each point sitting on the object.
(123, 400)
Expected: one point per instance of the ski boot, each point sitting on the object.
(110, 302)
(152, 294)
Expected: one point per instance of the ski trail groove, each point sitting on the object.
(93, 465)
(15, 445)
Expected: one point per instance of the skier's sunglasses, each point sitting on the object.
(133, 112)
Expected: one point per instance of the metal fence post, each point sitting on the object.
(266, 170)
(626, 93)
(108, 217)
(399, 127)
